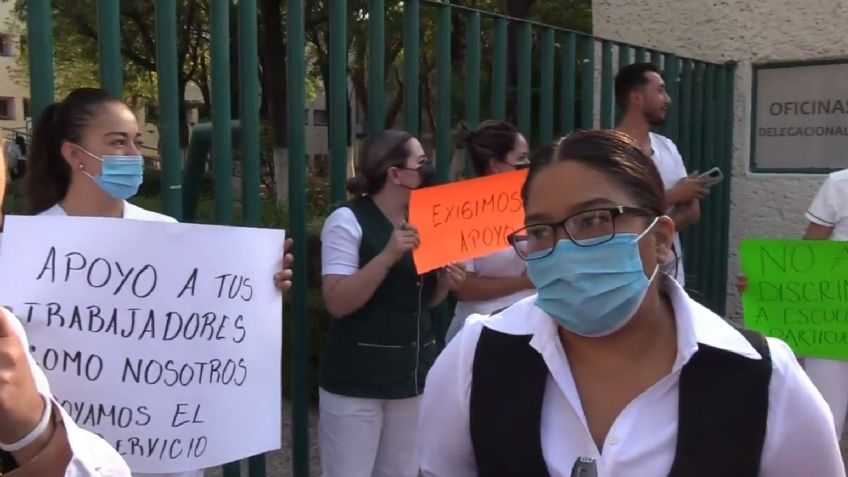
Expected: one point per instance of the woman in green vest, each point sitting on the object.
(382, 342)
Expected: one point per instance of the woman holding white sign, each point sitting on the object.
(498, 280)
(37, 437)
(382, 342)
(85, 161)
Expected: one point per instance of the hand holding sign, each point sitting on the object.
(452, 276)
(282, 280)
(21, 406)
(403, 240)
(466, 219)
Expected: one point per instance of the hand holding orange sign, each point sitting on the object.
(466, 219)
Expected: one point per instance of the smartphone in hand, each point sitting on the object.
(711, 177)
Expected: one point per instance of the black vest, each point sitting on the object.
(722, 413)
(385, 349)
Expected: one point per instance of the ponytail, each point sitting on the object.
(48, 174)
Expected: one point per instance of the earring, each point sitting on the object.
(80, 166)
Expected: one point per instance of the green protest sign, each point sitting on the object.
(798, 292)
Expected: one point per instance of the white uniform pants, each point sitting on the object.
(831, 379)
(368, 437)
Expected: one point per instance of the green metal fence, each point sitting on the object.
(563, 80)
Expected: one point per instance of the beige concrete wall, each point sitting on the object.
(749, 32)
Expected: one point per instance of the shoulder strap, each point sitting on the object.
(507, 389)
(723, 412)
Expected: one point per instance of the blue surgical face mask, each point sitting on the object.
(121, 176)
(592, 291)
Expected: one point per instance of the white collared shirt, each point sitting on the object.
(670, 165)
(830, 206)
(131, 211)
(800, 439)
(92, 456)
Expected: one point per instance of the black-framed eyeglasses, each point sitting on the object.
(585, 229)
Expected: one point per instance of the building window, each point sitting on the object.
(7, 108)
(306, 116)
(27, 108)
(320, 117)
(6, 45)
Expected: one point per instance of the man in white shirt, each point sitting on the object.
(640, 93)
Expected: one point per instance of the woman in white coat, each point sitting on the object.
(85, 161)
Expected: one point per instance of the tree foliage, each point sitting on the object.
(76, 59)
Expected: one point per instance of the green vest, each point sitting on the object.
(385, 349)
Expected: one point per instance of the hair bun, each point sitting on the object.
(358, 185)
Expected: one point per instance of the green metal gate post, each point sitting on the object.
(672, 85)
(726, 119)
(606, 85)
(624, 53)
(169, 107)
(472, 69)
(109, 46)
(376, 66)
(249, 97)
(337, 132)
(222, 145)
(472, 78)
(569, 84)
(587, 83)
(443, 94)
(411, 63)
(499, 53)
(40, 41)
(546, 90)
(707, 271)
(525, 79)
(685, 118)
(295, 56)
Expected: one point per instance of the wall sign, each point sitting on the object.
(800, 117)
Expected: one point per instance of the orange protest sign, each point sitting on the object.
(466, 219)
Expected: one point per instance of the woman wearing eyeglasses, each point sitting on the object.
(498, 280)
(382, 341)
(611, 362)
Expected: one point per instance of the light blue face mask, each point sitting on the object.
(592, 291)
(121, 176)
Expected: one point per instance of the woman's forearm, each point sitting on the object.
(344, 295)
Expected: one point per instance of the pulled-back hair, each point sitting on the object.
(381, 152)
(48, 174)
(614, 154)
(491, 140)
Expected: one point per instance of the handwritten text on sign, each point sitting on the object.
(466, 219)
(798, 292)
(163, 338)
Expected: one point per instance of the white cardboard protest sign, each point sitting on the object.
(166, 339)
